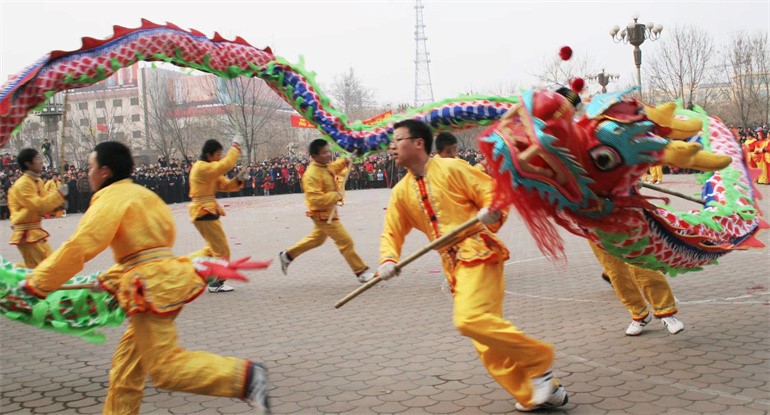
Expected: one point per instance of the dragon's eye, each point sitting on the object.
(605, 158)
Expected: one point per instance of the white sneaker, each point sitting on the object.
(558, 397)
(223, 288)
(365, 276)
(636, 327)
(542, 387)
(285, 261)
(673, 324)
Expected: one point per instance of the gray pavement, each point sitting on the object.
(394, 349)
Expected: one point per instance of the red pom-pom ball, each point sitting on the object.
(565, 53)
(577, 85)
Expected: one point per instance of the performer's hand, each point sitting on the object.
(238, 140)
(242, 176)
(488, 217)
(64, 190)
(387, 271)
(22, 285)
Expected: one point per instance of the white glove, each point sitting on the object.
(238, 140)
(64, 190)
(242, 175)
(488, 217)
(387, 271)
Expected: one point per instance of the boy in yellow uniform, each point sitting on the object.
(206, 179)
(321, 196)
(152, 286)
(28, 202)
(436, 196)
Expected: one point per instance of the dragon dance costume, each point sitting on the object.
(28, 202)
(450, 193)
(152, 286)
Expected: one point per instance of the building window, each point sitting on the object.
(82, 105)
(135, 117)
(137, 134)
(102, 136)
(117, 103)
(120, 135)
(101, 120)
(118, 119)
(134, 101)
(100, 104)
(83, 121)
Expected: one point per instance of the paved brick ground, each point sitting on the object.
(394, 350)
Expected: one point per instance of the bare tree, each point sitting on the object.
(761, 75)
(681, 64)
(741, 63)
(249, 105)
(162, 124)
(352, 97)
(554, 72)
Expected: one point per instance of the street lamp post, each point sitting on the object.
(603, 79)
(51, 114)
(636, 33)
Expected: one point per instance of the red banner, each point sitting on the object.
(377, 118)
(299, 122)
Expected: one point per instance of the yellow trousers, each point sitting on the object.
(35, 253)
(339, 235)
(510, 356)
(763, 177)
(216, 240)
(635, 287)
(656, 173)
(149, 347)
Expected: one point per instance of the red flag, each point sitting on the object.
(102, 128)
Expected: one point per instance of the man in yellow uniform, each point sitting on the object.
(321, 196)
(28, 202)
(436, 196)
(655, 173)
(635, 287)
(446, 145)
(151, 285)
(206, 179)
(52, 186)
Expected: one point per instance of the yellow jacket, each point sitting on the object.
(51, 186)
(28, 202)
(450, 193)
(139, 227)
(321, 187)
(206, 179)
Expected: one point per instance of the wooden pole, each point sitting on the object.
(436, 244)
(77, 287)
(671, 192)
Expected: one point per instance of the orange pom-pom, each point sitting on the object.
(565, 53)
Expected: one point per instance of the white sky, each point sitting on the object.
(473, 45)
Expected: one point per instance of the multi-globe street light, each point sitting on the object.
(603, 79)
(636, 33)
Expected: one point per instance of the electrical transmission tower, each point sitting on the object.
(423, 89)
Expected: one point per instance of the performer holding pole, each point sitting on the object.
(151, 285)
(321, 197)
(28, 202)
(206, 179)
(436, 196)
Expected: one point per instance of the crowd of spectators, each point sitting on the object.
(169, 178)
